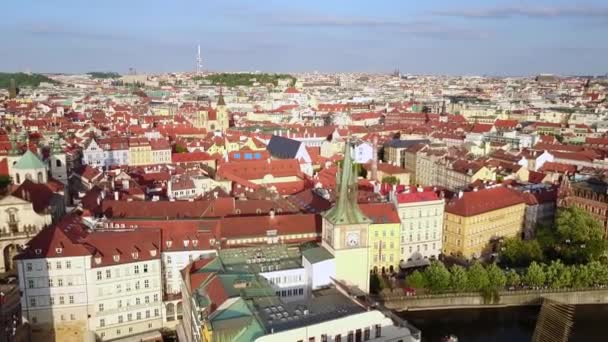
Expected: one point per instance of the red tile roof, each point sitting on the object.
(416, 196)
(478, 202)
(380, 213)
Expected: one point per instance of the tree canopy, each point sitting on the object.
(23, 80)
(100, 74)
(245, 79)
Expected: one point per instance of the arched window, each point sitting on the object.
(40, 177)
(58, 162)
(28, 176)
(18, 178)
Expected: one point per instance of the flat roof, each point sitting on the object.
(325, 305)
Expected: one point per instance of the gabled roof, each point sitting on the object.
(29, 161)
(284, 148)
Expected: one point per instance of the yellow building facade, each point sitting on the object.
(384, 237)
(140, 152)
(475, 219)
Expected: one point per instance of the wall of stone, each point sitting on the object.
(507, 298)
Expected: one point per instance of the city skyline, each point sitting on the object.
(437, 37)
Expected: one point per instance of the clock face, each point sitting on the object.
(352, 239)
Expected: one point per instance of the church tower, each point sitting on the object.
(346, 228)
(57, 161)
(222, 113)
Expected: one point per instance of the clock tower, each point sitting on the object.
(345, 229)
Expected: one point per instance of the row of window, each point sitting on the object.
(286, 279)
(383, 258)
(352, 336)
(119, 331)
(425, 248)
(290, 292)
(129, 317)
(49, 266)
(418, 237)
(136, 270)
(52, 282)
(137, 285)
(119, 303)
(421, 213)
(62, 316)
(50, 300)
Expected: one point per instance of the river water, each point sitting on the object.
(510, 324)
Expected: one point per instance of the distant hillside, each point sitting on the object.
(23, 80)
(97, 74)
(245, 79)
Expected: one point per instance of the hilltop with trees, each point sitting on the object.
(23, 80)
(103, 75)
(244, 79)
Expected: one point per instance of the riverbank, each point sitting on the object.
(503, 324)
(505, 299)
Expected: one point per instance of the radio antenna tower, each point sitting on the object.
(199, 61)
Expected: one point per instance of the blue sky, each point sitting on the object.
(431, 36)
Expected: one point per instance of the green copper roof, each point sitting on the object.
(29, 161)
(346, 210)
(317, 254)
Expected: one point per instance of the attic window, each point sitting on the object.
(38, 251)
(186, 243)
(237, 211)
(258, 211)
(169, 243)
(153, 252)
(98, 260)
(194, 243)
(135, 255)
(58, 250)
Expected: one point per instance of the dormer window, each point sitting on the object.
(153, 252)
(58, 250)
(98, 260)
(38, 251)
(135, 255)
(194, 243)
(169, 243)
(116, 258)
(186, 243)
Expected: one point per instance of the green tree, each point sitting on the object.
(577, 225)
(416, 280)
(581, 276)
(535, 275)
(477, 277)
(520, 253)
(580, 238)
(496, 277)
(180, 149)
(458, 278)
(598, 273)
(513, 278)
(5, 180)
(392, 180)
(558, 275)
(375, 285)
(437, 277)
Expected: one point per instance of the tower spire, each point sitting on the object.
(346, 210)
(199, 60)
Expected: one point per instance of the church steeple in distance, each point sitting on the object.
(346, 210)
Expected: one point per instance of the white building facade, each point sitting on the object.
(421, 213)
